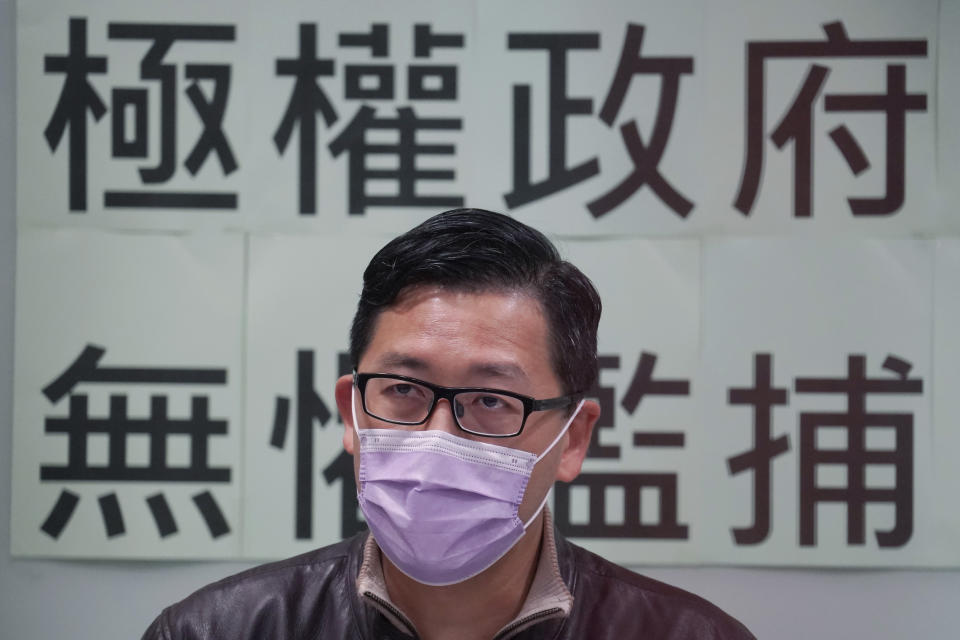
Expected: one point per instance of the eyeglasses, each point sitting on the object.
(484, 412)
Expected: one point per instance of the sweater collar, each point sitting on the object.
(548, 597)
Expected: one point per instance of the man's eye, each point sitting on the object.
(491, 402)
(401, 389)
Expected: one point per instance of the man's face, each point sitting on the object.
(492, 340)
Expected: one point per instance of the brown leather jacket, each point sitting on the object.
(314, 597)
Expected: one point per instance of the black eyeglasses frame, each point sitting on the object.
(530, 405)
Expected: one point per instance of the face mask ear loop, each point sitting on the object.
(562, 431)
(543, 503)
(353, 407)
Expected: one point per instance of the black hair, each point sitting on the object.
(475, 250)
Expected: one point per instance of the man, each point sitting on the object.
(473, 346)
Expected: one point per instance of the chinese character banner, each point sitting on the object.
(652, 118)
(830, 111)
(764, 194)
(631, 487)
(300, 488)
(816, 368)
(128, 421)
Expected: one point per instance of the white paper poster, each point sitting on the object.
(300, 491)
(818, 371)
(127, 414)
(822, 116)
(593, 116)
(638, 498)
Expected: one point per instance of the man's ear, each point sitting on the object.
(578, 441)
(344, 394)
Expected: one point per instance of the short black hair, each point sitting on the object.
(475, 250)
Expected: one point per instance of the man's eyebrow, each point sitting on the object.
(401, 360)
(506, 370)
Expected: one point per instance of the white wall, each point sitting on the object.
(103, 600)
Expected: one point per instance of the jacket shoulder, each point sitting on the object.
(260, 601)
(628, 604)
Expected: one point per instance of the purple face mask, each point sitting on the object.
(441, 507)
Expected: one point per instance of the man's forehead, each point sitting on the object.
(480, 338)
